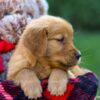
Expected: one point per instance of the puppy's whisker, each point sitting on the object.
(84, 62)
(84, 50)
(87, 56)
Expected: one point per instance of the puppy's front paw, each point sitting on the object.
(32, 89)
(57, 87)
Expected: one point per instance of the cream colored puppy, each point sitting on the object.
(45, 49)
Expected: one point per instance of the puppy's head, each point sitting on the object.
(51, 38)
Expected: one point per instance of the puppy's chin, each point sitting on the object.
(63, 65)
(70, 64)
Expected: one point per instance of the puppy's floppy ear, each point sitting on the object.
(35, 40)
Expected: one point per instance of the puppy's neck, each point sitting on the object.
(42, 69)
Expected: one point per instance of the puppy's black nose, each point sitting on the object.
(78, 55)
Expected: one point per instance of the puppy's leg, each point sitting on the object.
(57, 82)
(29, 83)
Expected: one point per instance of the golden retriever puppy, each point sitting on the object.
(45, 49)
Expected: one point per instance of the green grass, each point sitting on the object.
(89, 45)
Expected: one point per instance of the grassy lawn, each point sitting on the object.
(89, 45)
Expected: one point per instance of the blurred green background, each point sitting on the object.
(84, 15)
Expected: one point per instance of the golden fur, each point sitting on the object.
(45, 49)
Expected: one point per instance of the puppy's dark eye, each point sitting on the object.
(60, 39)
